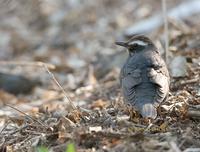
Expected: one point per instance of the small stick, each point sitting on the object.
(58, 84)
(166, 30)
(4, 128)
(18, 130)
(25, 114)
(190, 81)
(40, 64)
(192, 113)
(174, 146)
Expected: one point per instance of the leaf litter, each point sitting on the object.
(79, 42)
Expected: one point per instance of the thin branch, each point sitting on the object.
(164, 9)
(26, 115)
(4, 128)
(194, 113)
(58, 84)
(19, 129)
(174, 146)
(19, 63)
(189, 81)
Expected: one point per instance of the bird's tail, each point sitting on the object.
(148, 111)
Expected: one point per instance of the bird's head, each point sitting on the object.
(136, 44)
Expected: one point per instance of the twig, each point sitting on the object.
(174, 146)
(18, 130)
(40, 64)
(192, 149)
(4, 128)
(188, 132)
(166, 30)
(72, 124)
(58, 84)
(195, 106)
(25, 114)
(189, 81)
(149, 126)
(192, 113)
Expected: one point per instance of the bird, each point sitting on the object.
(144, 78)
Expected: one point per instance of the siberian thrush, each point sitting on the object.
(144, 78)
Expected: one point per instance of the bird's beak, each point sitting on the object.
(124, 44)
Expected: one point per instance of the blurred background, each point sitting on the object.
(77, 36)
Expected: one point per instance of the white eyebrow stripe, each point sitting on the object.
(138, 42)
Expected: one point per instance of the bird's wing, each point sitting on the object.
(158, 74)
(129, 79)
(130, 76)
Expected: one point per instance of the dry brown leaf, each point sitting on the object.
(99, 104)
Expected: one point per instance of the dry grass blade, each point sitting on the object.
(58, 84)
(190, 81)
(192, 113)
(26, 115)
(166, 30)
(174, 147)
(4, 128)
(19, 63)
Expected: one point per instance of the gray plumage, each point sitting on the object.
(144, 77)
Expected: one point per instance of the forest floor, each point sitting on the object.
(69, 48)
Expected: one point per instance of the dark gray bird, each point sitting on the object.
(144, 77)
